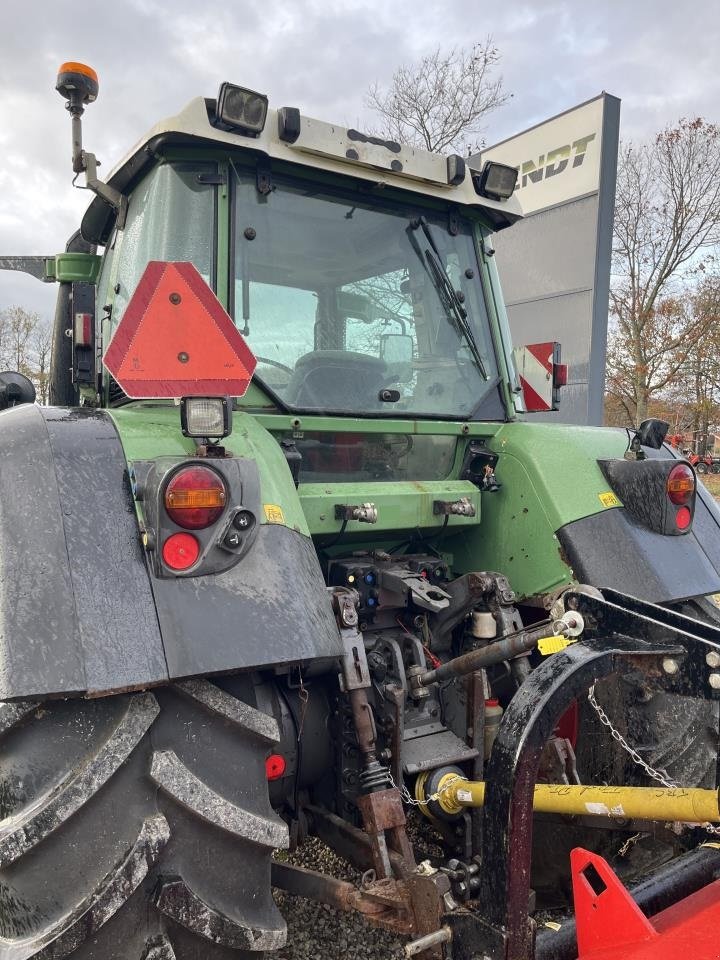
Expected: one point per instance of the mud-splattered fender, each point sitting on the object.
(78, 612)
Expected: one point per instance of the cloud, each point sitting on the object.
(155, 55)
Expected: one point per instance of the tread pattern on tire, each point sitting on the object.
(62, 800)
(137, 827)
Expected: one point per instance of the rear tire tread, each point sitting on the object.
(189, 791)
(225, 705)
(114, 890)
(11, 713)
(108, 802)
(65, 798)
(177, 901)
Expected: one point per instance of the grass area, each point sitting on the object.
(712, 482)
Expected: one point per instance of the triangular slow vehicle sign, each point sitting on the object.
(176, 340)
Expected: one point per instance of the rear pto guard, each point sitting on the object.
(611, 926)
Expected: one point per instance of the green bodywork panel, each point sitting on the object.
(73, 267)
(151, 430)
(401, 505)
(550, 477)
(330, 424)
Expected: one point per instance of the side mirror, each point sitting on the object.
(541, 375)
(651, 433)
(15, 388)
(396, 349)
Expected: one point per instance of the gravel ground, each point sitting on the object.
(317, 931)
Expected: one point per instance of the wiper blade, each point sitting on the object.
(447, 293)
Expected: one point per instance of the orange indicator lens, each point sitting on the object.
(195, 497)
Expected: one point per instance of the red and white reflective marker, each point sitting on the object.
(176, 340)
(541, 375)
(83, 329)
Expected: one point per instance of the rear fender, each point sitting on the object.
(81, 611)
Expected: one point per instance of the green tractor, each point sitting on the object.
(282, 560)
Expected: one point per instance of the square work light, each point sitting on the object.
(241, 109)
(497, 181)
(205, 417)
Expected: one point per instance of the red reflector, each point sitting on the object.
(176, 340)
(83, 329)
(274, 766)
(180, 551)
(560, 374)
(683, 518)
(681, 484)
(195, 497)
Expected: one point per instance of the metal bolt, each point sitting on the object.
(714, 681)
(712, 659)
(175, 298)
(183, 357)
(670, 666)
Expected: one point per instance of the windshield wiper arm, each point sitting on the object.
(448, 295)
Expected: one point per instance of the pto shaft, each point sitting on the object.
(683, 804)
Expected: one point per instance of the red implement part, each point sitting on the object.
(176, 340)
(611, 926)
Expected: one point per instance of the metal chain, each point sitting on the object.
(408, 798)
(660, 775)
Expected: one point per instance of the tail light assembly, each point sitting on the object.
(200, 515)
(195, 497)
(658, 493)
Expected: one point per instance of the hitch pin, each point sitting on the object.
(566, 630)
(443, 935)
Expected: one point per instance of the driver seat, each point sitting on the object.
(338, 380)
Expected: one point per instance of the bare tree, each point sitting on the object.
(16, 328)
(666, 234)
(41, 346)
(25, 343)
(440, 102)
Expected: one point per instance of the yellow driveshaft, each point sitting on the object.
(684, 804)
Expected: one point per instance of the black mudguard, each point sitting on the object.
(611, 549)
(80, 612)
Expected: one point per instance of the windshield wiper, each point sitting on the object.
(446, 291)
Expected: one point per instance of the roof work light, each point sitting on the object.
(496, 181)
(241, 109)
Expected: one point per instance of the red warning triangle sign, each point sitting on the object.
(176, 340)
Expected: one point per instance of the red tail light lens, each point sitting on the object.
(681, 484)
(195, 497)
(180, 551)
(683, 518)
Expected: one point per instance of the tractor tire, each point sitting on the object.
(701, 467)
(137, 827)
(715, 468)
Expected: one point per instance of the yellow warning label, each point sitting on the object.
(609, 499)
(273, 513)
(549, 645)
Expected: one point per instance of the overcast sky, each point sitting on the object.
(153, 56)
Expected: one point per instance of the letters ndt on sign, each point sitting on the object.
(554, 162)
(557, 161)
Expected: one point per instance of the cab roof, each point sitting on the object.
(322, 146)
